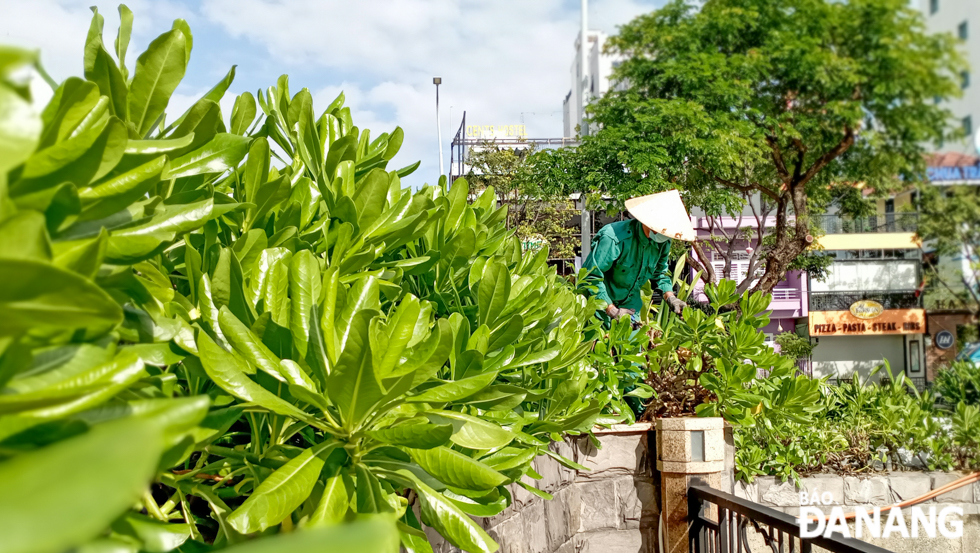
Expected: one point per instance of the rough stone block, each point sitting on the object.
(510, 535)
(963, 494)
(907, 485)
(567, 547)
(557, 519)
(598, 507)
(548, 468)
(747, 491)
(866, 491)
(535, 533)
(621, 454)
(568, 451)
(822, 484)
(521, 496)
(691, 423)
(778, 494)
(611, 541)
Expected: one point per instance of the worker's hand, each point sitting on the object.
(616, 312)
(675, 303)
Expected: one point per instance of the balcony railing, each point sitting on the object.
(886, 222)
(841, 301)
(784, 294)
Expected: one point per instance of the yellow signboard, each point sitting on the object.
(490, 132)
(866, 309)
(844, 323)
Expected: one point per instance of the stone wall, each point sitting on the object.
(612, 508)
(878, 490)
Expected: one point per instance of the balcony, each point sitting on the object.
(886, 222)
(841, 301)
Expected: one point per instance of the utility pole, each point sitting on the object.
(583, 90)
(438, 81)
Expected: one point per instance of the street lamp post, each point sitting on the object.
(438, 81)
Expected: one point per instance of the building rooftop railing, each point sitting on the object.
(842, 301)
(886, 222)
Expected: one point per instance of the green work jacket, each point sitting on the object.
(622, 260)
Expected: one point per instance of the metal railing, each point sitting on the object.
(782, 294)
(735, 516)
(841, 301)
(886, 222)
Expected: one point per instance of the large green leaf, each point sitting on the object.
(333, 505)
(243, 113)
(472, 432)
(418, 436)
(155, 536)
(102, 70)
(375, 535)
(282, 492)
(456, 469)
(40, 295)
(107, 197)
(159, 70)
(454, 390)
(42, 514)
(24, 236)
(494, 291)
(228, 372)
(451, 522)
(401, 329)
(20, 125)
(304, 293)
(248, 345)
(217, 156)
(352, 385)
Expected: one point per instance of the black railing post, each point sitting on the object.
(697, 526)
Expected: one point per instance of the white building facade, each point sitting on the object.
(599, 68)
(962, 19)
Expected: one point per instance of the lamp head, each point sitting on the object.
(437, 80)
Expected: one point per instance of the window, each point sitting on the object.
(933, 6)
(965, 79)
(963, 31)
(968, 125)
(914, 363)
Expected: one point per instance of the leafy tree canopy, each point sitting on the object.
(795, 100)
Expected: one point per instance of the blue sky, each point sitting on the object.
(503, 61)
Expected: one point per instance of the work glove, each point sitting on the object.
(676, 304)
(616, 312)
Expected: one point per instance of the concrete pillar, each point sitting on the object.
(689, 451)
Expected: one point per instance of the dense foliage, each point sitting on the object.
(949, 221)
(233, 347)
(790, 102)
(958, 382)
(535, 211)
(794, 346)
(860, 426)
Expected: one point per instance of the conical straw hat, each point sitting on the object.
(664, 213)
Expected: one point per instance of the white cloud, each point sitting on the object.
(503, 61)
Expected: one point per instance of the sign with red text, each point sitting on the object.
(890, 321)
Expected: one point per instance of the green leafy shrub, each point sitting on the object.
(958, 382)
(861, 426)
(794, 346)
(268, 347)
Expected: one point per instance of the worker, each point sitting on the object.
(626, 254)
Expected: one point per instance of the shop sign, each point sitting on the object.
(845, 323)
(944, 339)
(866, 309)
(533, 243)
(491, 132)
